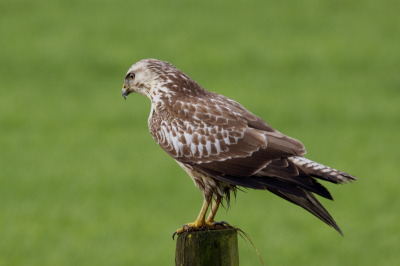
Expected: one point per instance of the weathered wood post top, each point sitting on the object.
(203, 248)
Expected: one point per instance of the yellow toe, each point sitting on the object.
(198, 226)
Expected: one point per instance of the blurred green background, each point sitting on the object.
(83, 183)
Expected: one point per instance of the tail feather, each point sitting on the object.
(283, 185)
(321, 171)
(311, 204)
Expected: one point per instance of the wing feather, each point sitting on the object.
(222, 135)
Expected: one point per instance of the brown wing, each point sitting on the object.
(219, 134)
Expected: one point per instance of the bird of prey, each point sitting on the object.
(223, 146)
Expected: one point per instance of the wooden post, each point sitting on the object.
(203, 248)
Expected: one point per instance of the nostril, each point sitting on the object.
(124, 86)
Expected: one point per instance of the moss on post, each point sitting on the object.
(203, 248)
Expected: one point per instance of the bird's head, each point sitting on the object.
(139, 78)
(147, 75)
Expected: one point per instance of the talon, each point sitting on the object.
(174, 234)
(186, 227)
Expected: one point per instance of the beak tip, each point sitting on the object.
(124, 93)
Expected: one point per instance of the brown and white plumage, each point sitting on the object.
(221, 145)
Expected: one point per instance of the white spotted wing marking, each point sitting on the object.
(196, 145)
(203, 134)
(202, 128)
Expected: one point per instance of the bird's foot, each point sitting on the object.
(196, 226)
(201, 226)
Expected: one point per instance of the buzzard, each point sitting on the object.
(223, 146)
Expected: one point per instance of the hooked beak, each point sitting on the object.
(125, 93)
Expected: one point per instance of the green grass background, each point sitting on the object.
(83, 183)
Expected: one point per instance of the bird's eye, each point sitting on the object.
(132, 76)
